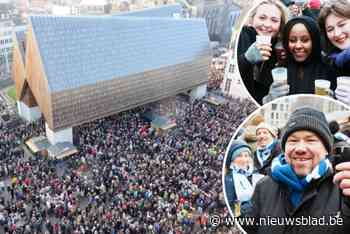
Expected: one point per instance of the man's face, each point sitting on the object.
(263, 137)
(304, 150)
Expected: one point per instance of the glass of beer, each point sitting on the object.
(322, 87)
(343, 80)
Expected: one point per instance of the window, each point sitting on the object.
(277, 115)
(272, 115)
(274, 106)
(227, 85)
(281, 107)
(231, 68)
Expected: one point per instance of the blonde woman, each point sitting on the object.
(255, 60)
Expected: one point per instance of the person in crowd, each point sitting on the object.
(338, 135)
(267, 147)
(255, 60)
(303, 182)
(249, 133)
(125, 178)
(334, 22)
(315, 7)
(299, 7)
(240, 177)
(301, 39)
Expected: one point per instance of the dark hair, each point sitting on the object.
(334, 127)
(337, 7)
(312, 27)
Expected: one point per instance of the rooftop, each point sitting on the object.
(161, 11)
(78, 51)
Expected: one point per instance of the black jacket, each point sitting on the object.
(302, 75)
(266, 168)
(345, 71)
(256, 78)
(322, 199)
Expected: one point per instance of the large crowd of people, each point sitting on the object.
(126, 178)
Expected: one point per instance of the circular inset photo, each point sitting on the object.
(295, 47)
(287, 167)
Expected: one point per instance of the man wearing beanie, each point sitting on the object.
(240, 178)
(267, 147)
(303, 184)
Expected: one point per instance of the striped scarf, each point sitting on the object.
(263, 154)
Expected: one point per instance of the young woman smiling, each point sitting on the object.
(334, 22)
(301, 39)
(255, 61)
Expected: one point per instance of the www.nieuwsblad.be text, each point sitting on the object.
(216, 220)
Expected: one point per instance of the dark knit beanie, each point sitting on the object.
(308, 119)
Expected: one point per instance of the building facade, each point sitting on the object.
(7, 30)
(83, 68)
(232, 84)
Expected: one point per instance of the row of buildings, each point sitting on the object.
(220, 16)
(14, 17)
(10, 23)
(278, 112)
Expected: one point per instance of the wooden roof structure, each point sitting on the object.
(78, 69)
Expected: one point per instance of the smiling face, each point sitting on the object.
(263, 137)
(304, 150)
(267, 20)
(299, 42)
(243, 160)
(338, 31)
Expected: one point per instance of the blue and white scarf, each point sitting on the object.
(246, 172)
(263, 154)
(243, 187)
(281, 171)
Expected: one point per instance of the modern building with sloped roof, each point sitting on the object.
(83, 68)
(27, 107)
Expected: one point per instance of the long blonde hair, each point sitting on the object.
(279, 5)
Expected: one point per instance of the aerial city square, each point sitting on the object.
(174, 116)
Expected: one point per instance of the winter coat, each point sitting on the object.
(322, 199)
(256, 78)
(231, 193)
